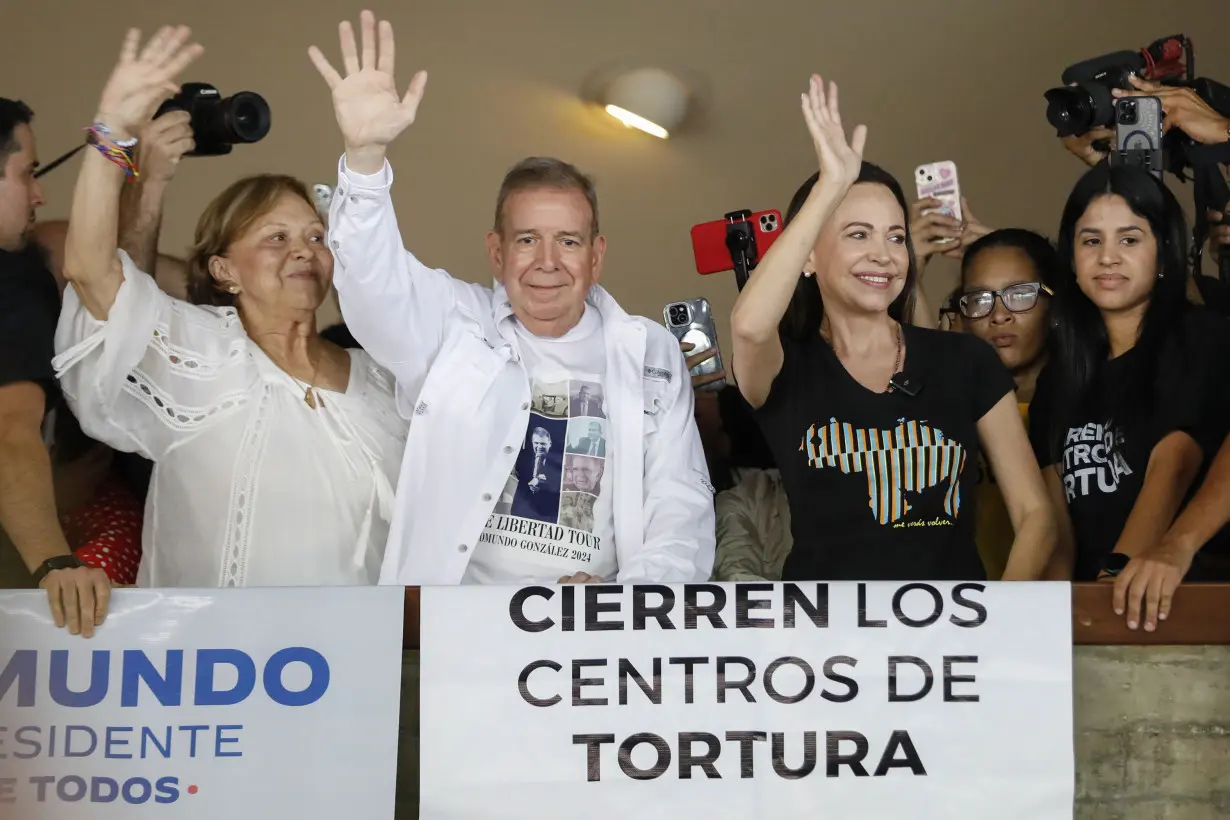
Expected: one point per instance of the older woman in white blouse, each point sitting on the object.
(275, 451)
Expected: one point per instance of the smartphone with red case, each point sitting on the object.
(709, 241)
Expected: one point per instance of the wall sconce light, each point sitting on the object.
(649, 99)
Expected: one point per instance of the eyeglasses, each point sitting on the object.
(1019, 298)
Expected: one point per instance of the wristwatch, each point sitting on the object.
(1115, 563)
(54, 563)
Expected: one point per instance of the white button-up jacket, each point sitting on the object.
(453, 349)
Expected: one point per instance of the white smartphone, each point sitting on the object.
(323, 195)
(938, 180)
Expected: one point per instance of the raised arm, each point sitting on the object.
(136, 86)
(764, 299)
(163, 143)
(395, 306)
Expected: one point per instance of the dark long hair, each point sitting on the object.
(806, 310)
(1081, 344)
(1042, 254)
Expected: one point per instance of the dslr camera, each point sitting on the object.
(1085, 101)
(218, 122)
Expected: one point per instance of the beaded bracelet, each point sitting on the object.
(102, 129)
(120, 151)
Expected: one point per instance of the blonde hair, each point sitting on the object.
(225, 220)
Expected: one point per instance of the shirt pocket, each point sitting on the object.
(654, 398)
(461, 376)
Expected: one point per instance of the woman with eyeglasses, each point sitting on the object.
(1133, 405)
(1007, 278)
(876, 425)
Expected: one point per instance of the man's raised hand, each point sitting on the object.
(370, 112)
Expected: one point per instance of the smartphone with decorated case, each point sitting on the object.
(938, 180)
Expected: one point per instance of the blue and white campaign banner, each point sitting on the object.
(926, 701)
(195, 704)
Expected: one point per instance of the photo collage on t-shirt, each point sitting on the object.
(558, 475)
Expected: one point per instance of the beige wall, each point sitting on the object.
(933, 79)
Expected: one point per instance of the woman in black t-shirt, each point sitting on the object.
(875, 424)
(1132, 405)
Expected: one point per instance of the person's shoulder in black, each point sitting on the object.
(964, 369)
(1193, 391)
(1188, 390)
(1215, 293)
(1041, 416)
(960, 361)
(29, 311)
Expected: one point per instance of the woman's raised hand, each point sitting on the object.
(140, 82)
(370, 112)
(840, 161)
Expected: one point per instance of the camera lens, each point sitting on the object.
(1079, 109)
(1128, 114)
(247, 117)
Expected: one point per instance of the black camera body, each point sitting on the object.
(219, 123)
(1085, 101)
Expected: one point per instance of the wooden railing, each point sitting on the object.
(1200, 616)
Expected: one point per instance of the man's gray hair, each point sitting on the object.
(546, 172)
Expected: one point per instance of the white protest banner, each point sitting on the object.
(921, 701)
(203, 704)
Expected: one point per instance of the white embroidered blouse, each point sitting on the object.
(251, 486)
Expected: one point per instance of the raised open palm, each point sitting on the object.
(840, 161)
(139, 83)
(369, 110)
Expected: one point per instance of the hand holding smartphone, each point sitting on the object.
(691, 322)
(938, 180)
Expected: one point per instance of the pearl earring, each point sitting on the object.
(809, 273)
(233, 289)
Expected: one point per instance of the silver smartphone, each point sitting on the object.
(692, 321)
(1138, 134)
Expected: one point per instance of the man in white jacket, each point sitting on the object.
(496, 382)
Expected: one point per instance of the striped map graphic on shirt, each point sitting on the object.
(911, 457)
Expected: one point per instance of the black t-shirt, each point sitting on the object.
(1215, 293)
(881, 485)
(29, 309)
(1102, 463)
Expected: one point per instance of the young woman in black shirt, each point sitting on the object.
(875, 424)
(1132, 404)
